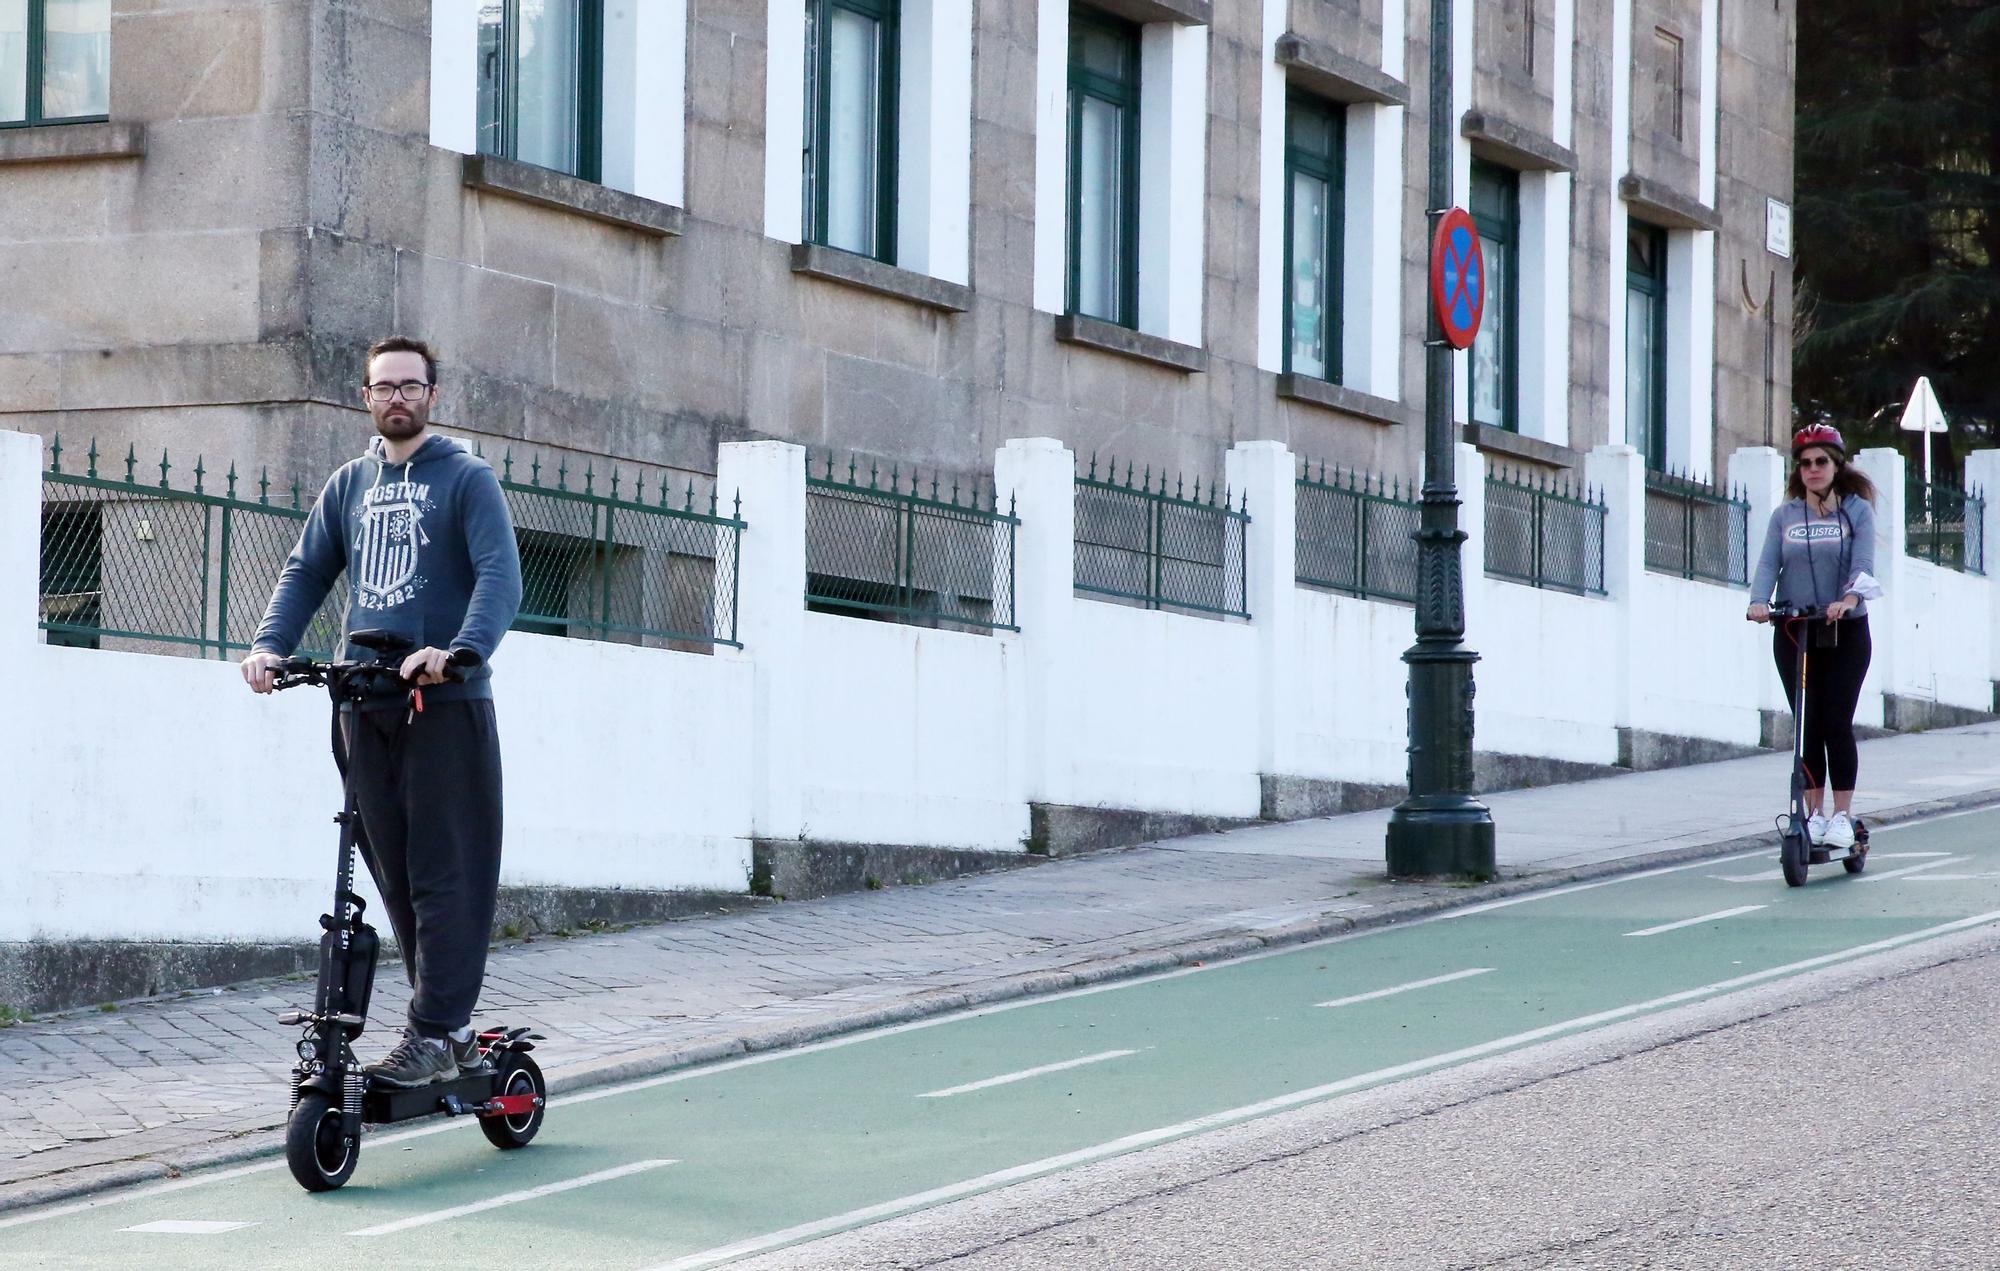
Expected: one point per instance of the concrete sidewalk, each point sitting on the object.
(90, 1099)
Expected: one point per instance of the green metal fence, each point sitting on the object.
(1697, 530)
(1357, 534)
(1541, 532)
(140, 566)
(1946, 525)
(905, 549)
(624, 565)
(1183, 550)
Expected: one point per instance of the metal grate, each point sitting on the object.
(1697, 530)
(1946, 525)
(630, 567)
(909, 550)
(1540, 532)
(1183, 550)
(1357, 534)
(142, 567)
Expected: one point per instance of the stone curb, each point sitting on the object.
(256, 1145)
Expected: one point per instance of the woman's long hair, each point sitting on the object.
(1847, 479)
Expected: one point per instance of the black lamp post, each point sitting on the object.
(1440, 828)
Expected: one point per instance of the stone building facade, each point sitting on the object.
(272, 183)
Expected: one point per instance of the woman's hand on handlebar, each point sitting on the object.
(260, 671)
(1842, 607)
(1759, 613)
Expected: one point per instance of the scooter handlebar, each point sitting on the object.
(1786, 613)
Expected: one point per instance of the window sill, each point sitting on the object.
(1515, 446)
(548, 188)
(833, 265)
(1318, 392)
(1095, 333)
(1314, 66)
(1664, 206)
(72, 143)
(1514, 146)
(1179, 12)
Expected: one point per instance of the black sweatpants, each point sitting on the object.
(429, 794)
(1833, 688)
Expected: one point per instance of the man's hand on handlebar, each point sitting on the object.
(1759, 613)
(260, 671)
(426, 667)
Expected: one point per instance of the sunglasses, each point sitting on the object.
(1817, 461)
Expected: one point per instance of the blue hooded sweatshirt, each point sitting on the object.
(429, 552)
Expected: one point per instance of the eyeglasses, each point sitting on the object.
(1817, 461)
(409, 391)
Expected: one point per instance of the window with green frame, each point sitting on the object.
(55, 62)
(1646, 341)
(1315, 139)
(541, 78)
(1496, 353)
(1103, 167)
(851, 94)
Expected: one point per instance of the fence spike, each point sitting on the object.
(614, 481)
(590, 478)
(711, 500)
(264, 485)
(477, 453)
(739, 503)
(55, 454)
(164, 467)
(873, 470)
(535, 471)
(197, 474)
(131, 461)
(295, 492)
(232, 478)
(562, 473)
(934, 487)
(687, 503)
(895, 478)
(954, 494)
(507, 465)
(1146, 479)
(1177, 485)
(1093, 467)
(93, 456)
(1013, 503)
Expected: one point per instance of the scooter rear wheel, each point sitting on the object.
(519, 1075)
(1792, 855)
(322, 1158)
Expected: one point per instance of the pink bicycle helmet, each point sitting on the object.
(1818, 435)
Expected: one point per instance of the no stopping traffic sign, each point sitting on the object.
(1458, 277)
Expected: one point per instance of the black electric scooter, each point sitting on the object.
(331, 1095)
(1796, 850)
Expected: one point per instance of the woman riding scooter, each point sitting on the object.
(1819, 553)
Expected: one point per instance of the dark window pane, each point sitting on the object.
(1101, 51)
(1311, 129)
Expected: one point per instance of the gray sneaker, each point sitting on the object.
(467, 1056)
(416, 1061)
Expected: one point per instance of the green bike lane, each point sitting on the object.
(701, 1165)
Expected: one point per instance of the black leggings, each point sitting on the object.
(1833, 687)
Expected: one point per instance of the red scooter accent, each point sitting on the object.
(510, 1105)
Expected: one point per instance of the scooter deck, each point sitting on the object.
(384, 1104)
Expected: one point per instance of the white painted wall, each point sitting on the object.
(655, 769)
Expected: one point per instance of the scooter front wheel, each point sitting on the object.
(321, 1155)
(1792, 855)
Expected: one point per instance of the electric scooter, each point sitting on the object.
(332, 1097)
(1796, 850)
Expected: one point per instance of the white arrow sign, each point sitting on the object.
(1924, 415)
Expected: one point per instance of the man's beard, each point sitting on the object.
(400, 428)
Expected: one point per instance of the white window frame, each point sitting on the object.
(644, 114)
(933, 134)
(1173, 172)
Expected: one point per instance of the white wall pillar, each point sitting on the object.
(1544, 305)
(20, 600)
(1618, 473)
(1887, 672)
(1982, 476)
(645, 98)
(1690, 353)
(1038, 476)
(455, 75)
(1758, 472)
(934, 140)
(785, 121)
(770, 620)
(1264, 474)
(1051, 154)
(1372, 253)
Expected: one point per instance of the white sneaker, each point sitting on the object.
(1816, 829)
(1840, 832)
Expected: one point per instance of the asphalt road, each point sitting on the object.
(1480, 1052)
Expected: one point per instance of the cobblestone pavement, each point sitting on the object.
(93, 1096)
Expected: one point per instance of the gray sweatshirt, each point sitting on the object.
(1812, 560)
(429, 552)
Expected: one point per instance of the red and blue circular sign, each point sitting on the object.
(1458, 277)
